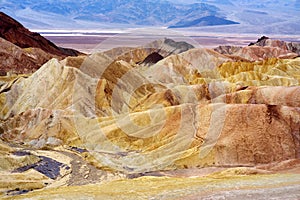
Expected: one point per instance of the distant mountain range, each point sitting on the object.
(95, 14)
(130, 13)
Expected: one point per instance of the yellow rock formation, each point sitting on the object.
(119, 118)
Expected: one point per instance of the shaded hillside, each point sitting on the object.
(203, 21)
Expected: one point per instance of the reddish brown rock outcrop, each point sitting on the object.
(22, 51)
(15, 60)
(267, 42)
(16, 33)
(256, 53)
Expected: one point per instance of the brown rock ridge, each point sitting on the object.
(22, 51)
(16, 33)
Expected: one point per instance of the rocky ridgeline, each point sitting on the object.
(152, 111)
(23, 51)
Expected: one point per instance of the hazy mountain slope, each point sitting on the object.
(272, 16)
(132, 12)
(259, 17)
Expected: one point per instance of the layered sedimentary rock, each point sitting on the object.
(255, 53)
(263, 49)
(15, 60)
(267, 42)
(148, 111)
(227, 49)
